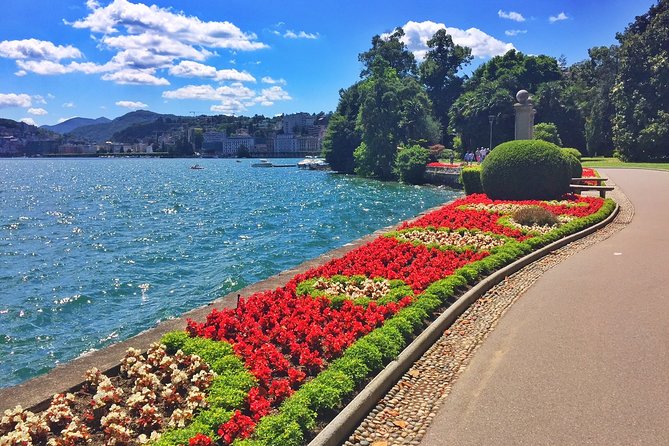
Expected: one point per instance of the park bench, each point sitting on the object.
(577, 185)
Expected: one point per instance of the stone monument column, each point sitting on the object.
(524, 116)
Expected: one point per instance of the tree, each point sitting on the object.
(342, 137)
(388, 51)
(438, 73)
(491, 91)
(410, 164)
(392, 110)
(547, 131)
(641, 92)
(557, 103)
(198, 139)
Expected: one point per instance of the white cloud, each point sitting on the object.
(39, 99)
(15, 100)
(515, 32)
(132, 104)
(137, 19)
(229, 107)
(557, 18)
(233, 98)
(483, 45)
(188, 68)
(64, 119)
(290, 34)
(515, 16)
(48, 67)
(68, 105)
(209, 93)
(29, 121)
(37, 49)
(271, 81)
(37, 111)
(135, 77)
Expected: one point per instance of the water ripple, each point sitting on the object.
(95, 251)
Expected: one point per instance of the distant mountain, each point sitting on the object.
(104, 131)
(73, 124)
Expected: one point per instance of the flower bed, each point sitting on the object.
(285, 357)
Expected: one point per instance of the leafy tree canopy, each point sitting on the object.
(389, 51)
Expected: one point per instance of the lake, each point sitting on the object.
(94, 251)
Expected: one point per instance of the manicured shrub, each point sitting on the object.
(573, 152)
(547, 131)
(575, 167)
(470, 177)
(525, 170)
(410, 164)
(535, 215)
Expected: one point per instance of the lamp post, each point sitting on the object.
(491, 119)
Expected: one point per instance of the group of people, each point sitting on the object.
(477, 156)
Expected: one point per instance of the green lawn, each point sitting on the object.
(616, 163)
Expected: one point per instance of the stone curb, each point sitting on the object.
(340, 428)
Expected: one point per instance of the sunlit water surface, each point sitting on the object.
(93, 251)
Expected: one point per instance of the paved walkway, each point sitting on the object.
(583, 356)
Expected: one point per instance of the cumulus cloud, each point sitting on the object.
(209, 93)
(29, 121)
(188, 68)
(233, 98)
(557, 18)
(515, 16)
(135, 77)
(68, 105)
(48, 67)
(290, 34)
(37, 111)
(37, 49)
(515, 32)
(272, 81)
(482, 45)
(15, 100)
(131, 104)
(138, 19)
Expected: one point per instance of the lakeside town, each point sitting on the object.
(144, 133)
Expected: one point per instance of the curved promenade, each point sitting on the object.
(583, 356)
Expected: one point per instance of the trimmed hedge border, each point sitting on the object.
(386, 345)
(339, 429)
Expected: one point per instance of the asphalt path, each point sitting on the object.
(583, 357)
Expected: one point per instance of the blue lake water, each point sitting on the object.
(93, 251)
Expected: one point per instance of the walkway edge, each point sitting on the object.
(340, 428)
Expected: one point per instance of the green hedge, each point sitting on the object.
(470, 177)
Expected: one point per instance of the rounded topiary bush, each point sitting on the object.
(525, 170)
(574, 152)
(575, 167)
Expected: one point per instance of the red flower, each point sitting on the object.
(200, 440)
(239, 426)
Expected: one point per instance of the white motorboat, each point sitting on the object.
(262, 163)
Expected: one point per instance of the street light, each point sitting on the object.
(491, 119)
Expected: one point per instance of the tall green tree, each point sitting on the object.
(491, 90)
(641, 92)
(438, 72)
(392, 110)
(557, 102)
(342, 137)
(389, 51)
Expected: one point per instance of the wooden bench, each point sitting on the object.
(581, 180)
(578, 188)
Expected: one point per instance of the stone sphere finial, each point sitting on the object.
(522, 96)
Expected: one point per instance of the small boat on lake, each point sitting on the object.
(262, 163)
(197, 167)
(313, 163)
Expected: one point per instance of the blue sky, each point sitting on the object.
(60, 59)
